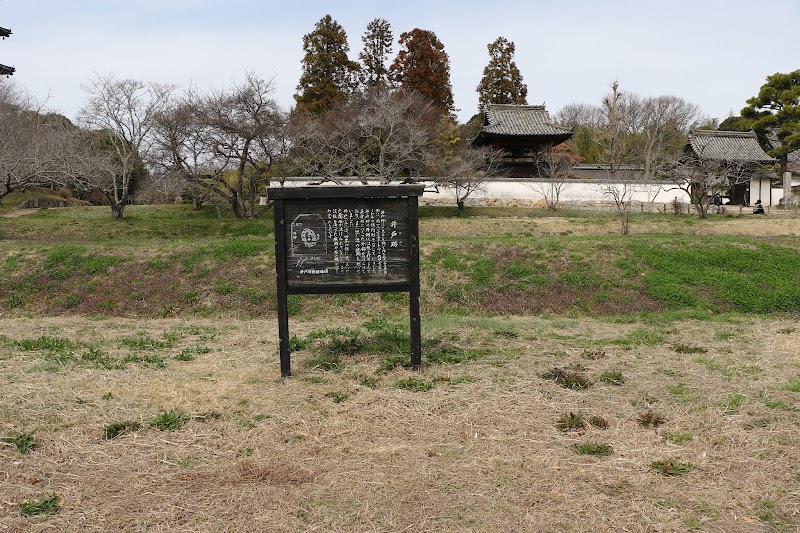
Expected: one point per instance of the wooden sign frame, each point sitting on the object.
(337, 239)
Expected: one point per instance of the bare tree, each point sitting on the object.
(383, 134)
(186, 154)
(123, 113)
(554, 167)
(702, 177)
(466, 171)
(579, 114)
(247, 130)
(30, 140)
(619, 188)
(662, 123)
(325, 146)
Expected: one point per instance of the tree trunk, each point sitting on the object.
(117, 210)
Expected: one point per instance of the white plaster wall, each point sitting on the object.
(517, 192)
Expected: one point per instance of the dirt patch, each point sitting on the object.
(351, 451)
(14, 213)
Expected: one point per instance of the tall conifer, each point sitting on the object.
(328, 73)
(502, 81)
(422, 65)
(378, 40)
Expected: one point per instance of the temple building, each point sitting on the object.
(4, 70)
(735, 149)
(520, 131)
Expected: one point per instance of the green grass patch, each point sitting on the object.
(598, 449)
(188, 354)
(22, 441)
(145, 342)
(414, 384)
(671, 468)
(115, 429)
(792, 386)
(42, 507)
(651, 418)
(570, 422)
(688, 348)
(679, 437)
(569, 379)
(612, 377)
(170, 420)
(63, 262)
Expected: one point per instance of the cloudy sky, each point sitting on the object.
(714, 53)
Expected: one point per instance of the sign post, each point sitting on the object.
(332, 239)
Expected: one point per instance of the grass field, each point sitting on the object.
(574, 380)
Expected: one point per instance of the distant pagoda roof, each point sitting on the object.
(519, 123)
(6, 71)
(733, 146)
(4, 32)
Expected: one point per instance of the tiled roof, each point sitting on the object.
(509, 119)
(4, 32)
(6, 71)
(728, 146)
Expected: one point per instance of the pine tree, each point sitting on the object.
(502, 81)
(328, 73)
(776, 110)
(378, 40)
(423, 66)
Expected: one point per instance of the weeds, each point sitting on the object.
(612, 377)
(44, 507)
(115, 429)
(598, 422)
(678, 437)
(651, 418)
(792, 386)
(145, 342)
(671, 468)
(569, 379)
(570, 422)
(368, 381)
(598, 449)
(593, 354)
(22, 441)
(170, 420)
(188, 354)
(326, 362)
(337, 396)
(414, 385)
(688, 348)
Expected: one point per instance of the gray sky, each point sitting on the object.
(713, 53)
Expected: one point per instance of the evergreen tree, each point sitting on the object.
(502, 81)
(776, 110)
(377, 41)
(328, 74)
(423, 66)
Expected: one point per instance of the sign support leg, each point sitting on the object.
(413, 267)
(283, 302)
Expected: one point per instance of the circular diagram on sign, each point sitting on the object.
(309, 237)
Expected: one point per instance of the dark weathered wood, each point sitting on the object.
(339, 191)
(413, 282)
(340, 289)
(343, 240)
(283, 302)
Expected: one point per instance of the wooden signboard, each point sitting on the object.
(333, 239)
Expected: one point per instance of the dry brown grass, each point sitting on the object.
(778, 223)
(479, 452)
